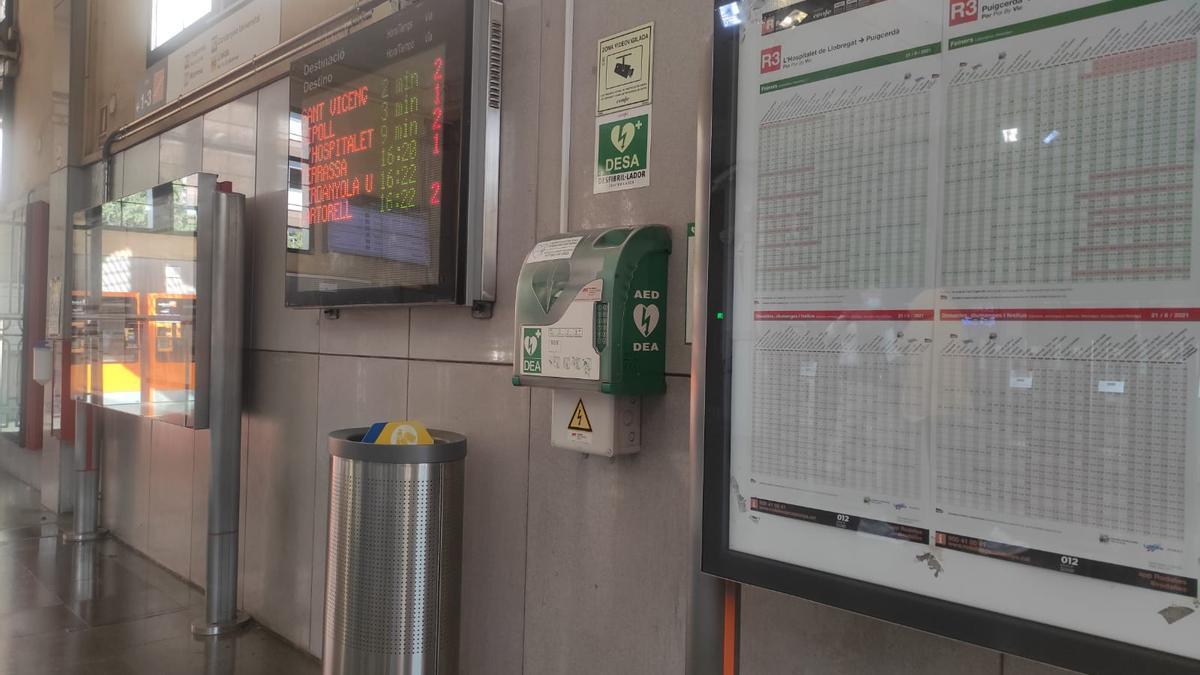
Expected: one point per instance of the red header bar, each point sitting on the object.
(1075, 314)
(846, 315)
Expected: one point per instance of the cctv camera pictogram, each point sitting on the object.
(623, 69)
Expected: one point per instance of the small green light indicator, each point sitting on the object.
(720, 316)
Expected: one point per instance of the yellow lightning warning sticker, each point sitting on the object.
(579, 419)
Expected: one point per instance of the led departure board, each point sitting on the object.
(378, 148)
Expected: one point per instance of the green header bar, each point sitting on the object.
(846, 68)
(1051, 21)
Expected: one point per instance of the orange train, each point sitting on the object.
(127, 323)
(172, 362)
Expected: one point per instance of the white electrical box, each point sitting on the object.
(595, 423)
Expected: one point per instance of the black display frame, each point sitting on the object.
(992, 630)
(460, 53)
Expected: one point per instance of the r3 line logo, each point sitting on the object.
(966, 11)
(772, 59)
(963, 11)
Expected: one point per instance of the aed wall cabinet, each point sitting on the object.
(592, 309)
(393, 171)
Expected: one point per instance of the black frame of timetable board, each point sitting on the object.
(993, 630)
(359, 48)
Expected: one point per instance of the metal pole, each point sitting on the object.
(705, 615)
(225, 418)
(84, 566)
(564, 185)
(88, 441)
(220, 658)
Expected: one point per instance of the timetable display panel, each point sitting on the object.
(956, 357)
(377, 162)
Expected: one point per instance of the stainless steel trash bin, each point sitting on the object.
(394, 563)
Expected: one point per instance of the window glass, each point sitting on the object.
(171, 17)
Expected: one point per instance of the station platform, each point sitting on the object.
(103, 609)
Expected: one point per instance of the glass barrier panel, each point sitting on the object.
(134, 301)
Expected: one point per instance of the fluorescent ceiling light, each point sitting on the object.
(794, 17)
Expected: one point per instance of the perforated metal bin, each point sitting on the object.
(394, 563)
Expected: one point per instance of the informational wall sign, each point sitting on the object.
(553, 249)
(623, 151)
(152, 91)
(961, 286)
(624, 68)
(235, 39)
(566, 348)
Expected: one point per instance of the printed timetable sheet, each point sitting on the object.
(966, 306)
(1067, 434)
(843, 190)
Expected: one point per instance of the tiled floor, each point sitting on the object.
(101, 609)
